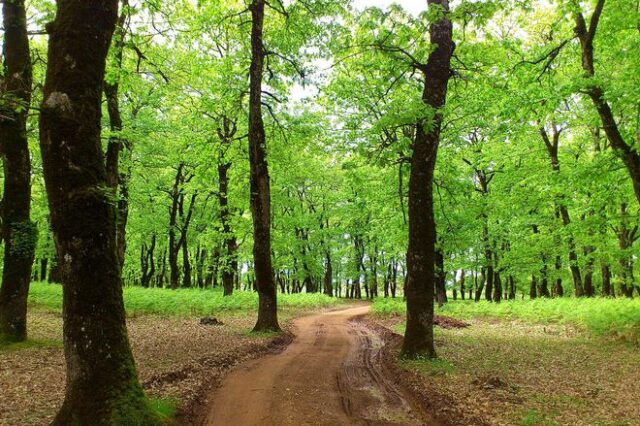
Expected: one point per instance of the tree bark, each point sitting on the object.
(441, 278)
(102, 386)
(259, 180)
(479, 288)
(552, 145)
(418, 340)
(226, 133)
(607, 290)
(586, 35)
(533, 288)
(328, 273)
(116, 179)
(18, 231)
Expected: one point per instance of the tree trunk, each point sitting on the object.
(441, 278)
(18, 232)
(462, 288)
(480, 285)
(186, 264)
(230, 266)
(102, 387)
(328, 274)
(558, 290)
(497, 287)
(544, 279)
(174, 247)
(626, 151)
(533, 288)
(552, 145)
(418, 339)
(44, 262)
(589, 291)
(606, 281)
(117, 180)
(259, 181)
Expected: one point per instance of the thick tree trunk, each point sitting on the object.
(418, 339)
(462, 288)
(18, 232)
(102, 386)
(259, 181)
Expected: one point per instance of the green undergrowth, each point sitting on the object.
(617, 318)
(165, 408)
(185, 302)
(429, 367)
(10, 345)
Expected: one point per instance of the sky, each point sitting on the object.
(413, 6)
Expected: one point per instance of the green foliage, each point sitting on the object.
(615, 318)
(184, 302)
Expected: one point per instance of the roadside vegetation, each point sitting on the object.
(544, 362)
(187, 301)
(613, 318)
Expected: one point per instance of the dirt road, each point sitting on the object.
(330, 375)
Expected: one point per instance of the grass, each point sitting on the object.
(524, 374)
(184, 302)
(9, 345)
(166, 408)
(429, 367)
(618, 318)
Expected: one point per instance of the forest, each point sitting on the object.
(421, 212)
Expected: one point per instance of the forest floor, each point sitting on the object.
(333, 374)
(513, 372)
(179, 361)
(342, 369)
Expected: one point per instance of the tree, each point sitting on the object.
(102, 384)
(421, 254)
(17, 230)
(260, 182)
(595, 91)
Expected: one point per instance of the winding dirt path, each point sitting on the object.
(332, 374)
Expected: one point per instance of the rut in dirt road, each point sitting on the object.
(331, 374)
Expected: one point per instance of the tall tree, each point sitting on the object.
(586, 34)
(117, 179)
(226, 133)
(259, 181)
(552, 143)
(421, 254)
(102, 385)
(18, 232)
